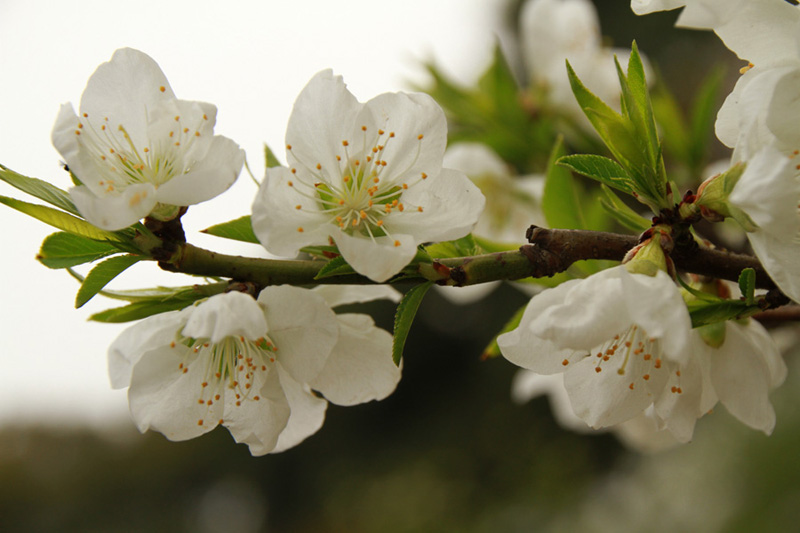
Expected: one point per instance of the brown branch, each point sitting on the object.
(557, 249)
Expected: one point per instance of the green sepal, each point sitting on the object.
(240, 229)
(61, 220)
(713, 334)
(747, 284)
(621, 212)
(404, 317)
(64, 250)
(102, 274)
(335, 267)
(605, 170)
(270, 161)
(493, 349)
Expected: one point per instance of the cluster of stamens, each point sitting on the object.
(623, 348)
(120, 163)
(359, 192)
(231, 366)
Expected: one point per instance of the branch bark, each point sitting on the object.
(550, 251)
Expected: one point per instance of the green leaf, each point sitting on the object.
(600, 168)
(704, 312)
(40, 189)
(493, 350)
(404, 317)
(747, 284)
(561, 199)
(623, 214)
(463, 247)
(102, 274)
(139, 310)
(335, 267)
(63, 250)
(240, 229)
(60, 220)
(323, 252)
(269, 158)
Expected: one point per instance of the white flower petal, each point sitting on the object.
(259, 423)
(467, 295)
(152, 332)
(230, 314)
(210, 177)
(605, 398)
(451, 206)
(742, 378)
(420, 134)
(642, 7)
(524, 348)
(679, 404)
(378, 259)
(303, 328)
(165, 399)
(115, 211)
(360, 368)
(277, 221)
(324, 114)
(336, 295)
(306, 416)
(123, 89)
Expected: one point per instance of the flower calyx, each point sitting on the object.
(652, 253)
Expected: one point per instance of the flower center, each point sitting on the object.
(119, 162)
(233, 366)
(362, 188)
(623, 349)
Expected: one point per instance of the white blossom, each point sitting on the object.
(368, 176)
(251, 365)
(137, 149)
(768, 192)
(621, 340)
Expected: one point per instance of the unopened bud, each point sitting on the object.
(712, 198)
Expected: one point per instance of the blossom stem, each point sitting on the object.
(550, 252)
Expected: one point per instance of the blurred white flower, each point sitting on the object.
(554, 31)
(369, 176)
(513, 203)
(251, 366)
(641, 433)
(137, 149)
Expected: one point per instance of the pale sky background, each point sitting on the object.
(250, 59)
